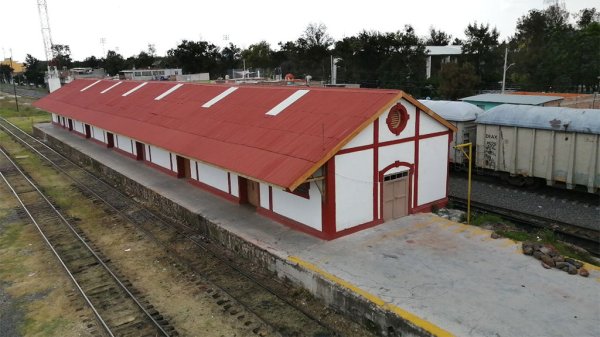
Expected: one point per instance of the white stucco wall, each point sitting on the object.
(365, 137)
(98, 134)
(159, 157)
(264, 195)
(233, 178)
(354, 188)
(409, 131)
(210, 176)
(305, 211)
(174, 162)
(404, 152)
(124, 143)
(55, 118)
(433, 170)
(78, 126)
(430, 125)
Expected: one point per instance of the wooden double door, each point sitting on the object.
(395, 196)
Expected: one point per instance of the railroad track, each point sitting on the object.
(115, 306)
(254, 298)
(8, 90)
(588, 239)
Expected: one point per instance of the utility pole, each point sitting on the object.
(13, 80)
(469, 157)
(505, 69)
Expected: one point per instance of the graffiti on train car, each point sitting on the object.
(489, 152)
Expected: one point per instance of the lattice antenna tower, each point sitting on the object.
(46, 34)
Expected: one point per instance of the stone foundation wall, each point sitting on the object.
(356, 307)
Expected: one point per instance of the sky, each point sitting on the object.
(128, 26)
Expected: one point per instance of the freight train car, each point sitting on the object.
(462, 115)
(525, 143)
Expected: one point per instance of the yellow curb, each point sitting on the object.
(414, 319)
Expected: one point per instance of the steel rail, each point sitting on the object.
(82, 240)
(85, 297)
(588, 237)
(157, 217)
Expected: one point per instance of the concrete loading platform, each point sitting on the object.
(421, 275)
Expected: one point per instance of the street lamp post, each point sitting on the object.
(505, 69)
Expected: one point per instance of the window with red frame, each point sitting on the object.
(397, 119)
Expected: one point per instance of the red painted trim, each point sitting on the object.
(78, 133)
(125, 153)
(416, 159)
(160, 168)
(214, 190)
(228, 179)
(375, 167)
(435, 134)
(397, 141)
(392, 142)
(293, 224)
(355, 229)
(356, 149)
(427, 207)
(448, 166)
(328, 221)
(271, 198)
(411, 169)
(98, 141)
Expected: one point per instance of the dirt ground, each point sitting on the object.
(187, 306)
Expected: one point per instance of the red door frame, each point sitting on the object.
(140, 150)
(88, 131)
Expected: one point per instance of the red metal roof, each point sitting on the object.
(234, 133)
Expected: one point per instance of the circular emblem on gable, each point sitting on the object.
(397, 119)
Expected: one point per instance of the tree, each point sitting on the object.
(481, 49)
(195, 57)
(35, 70)
(5, 72)
(457, 42)
(438, 38)
(62, 56)
(230, 57)
(550, 54)
(91, 62)
(143, 60)
(456, 81)
(113, 63)
(258, 55)
(375, 59)
(308, 55)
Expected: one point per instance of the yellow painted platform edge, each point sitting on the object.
(412, 318)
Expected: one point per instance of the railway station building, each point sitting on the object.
(324, 161)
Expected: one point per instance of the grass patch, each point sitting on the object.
(26, 116)
(484, 219)
(517, 235)
(546, 236)
(53, 327)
